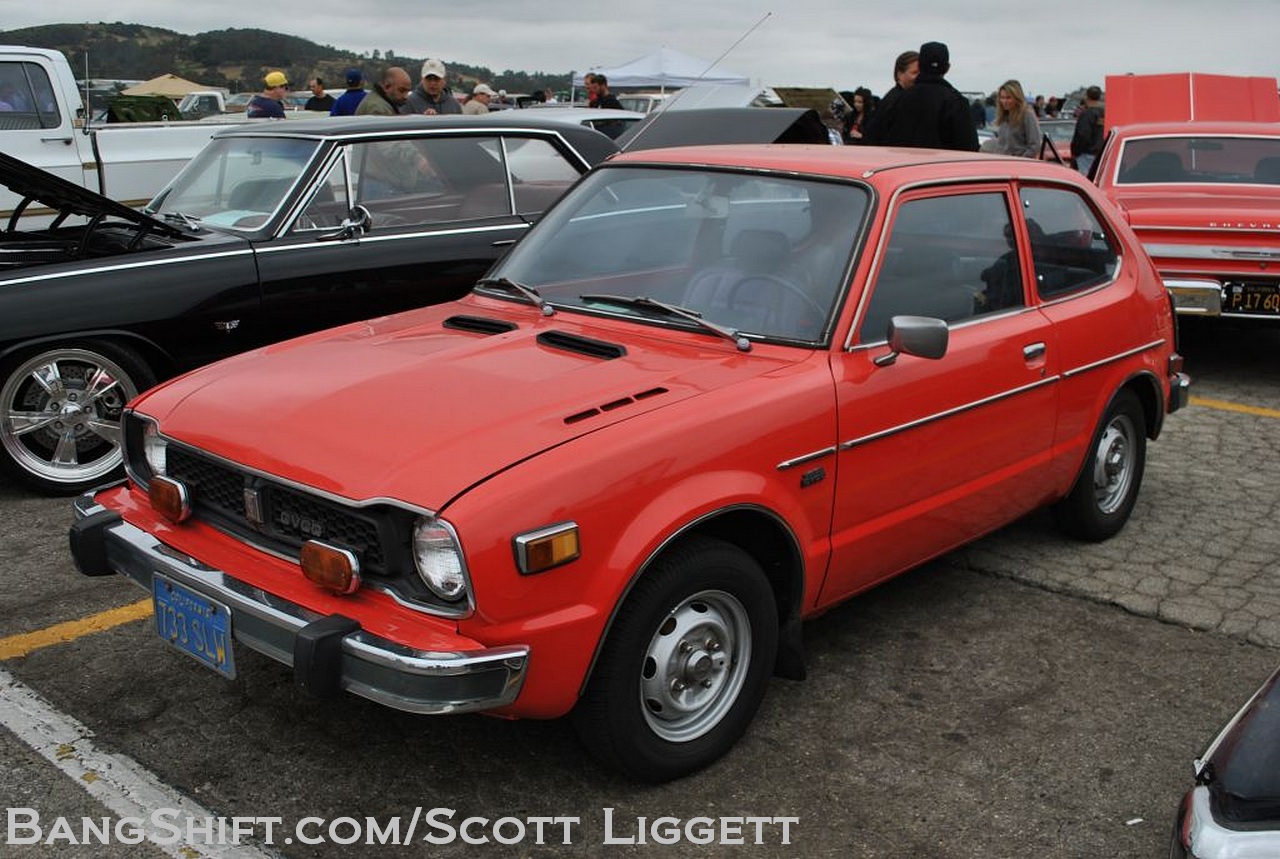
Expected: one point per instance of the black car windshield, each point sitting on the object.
(764, 255)
(235, 183)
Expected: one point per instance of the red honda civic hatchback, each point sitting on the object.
(713, 392)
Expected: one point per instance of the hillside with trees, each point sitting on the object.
(238, 58)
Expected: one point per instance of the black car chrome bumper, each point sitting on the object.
(327, 652)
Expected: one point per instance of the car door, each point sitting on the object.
(441, 210)
(935, 452)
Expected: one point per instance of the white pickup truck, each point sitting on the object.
(43, 122)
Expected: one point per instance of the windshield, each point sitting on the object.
(235, 183)
(763, 255)
(1233, 160)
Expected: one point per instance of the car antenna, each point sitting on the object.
(657, 114)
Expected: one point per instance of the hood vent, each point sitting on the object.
(479, 324)
(614, 404)
(581, 345)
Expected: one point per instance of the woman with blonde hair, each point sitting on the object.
(1017, 129)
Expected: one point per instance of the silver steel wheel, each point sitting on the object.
(62, 415)
(695, 665)
(1114, 463)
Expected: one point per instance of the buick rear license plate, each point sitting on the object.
(1252, 298)
(193, 623)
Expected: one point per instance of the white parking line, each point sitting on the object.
(116, 781)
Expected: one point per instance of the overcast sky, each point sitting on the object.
(1052, 47)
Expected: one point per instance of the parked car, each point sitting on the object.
(1058, 134)
(1234, 808)
(607, 121)
(713, 392)
(274, 229)
(1202, 198)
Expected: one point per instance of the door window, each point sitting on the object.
(950, 257)
(26, 97)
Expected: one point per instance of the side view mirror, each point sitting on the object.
(922, 336)
(357, 223)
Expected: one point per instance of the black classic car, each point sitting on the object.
(273, 230)
(1233, 811)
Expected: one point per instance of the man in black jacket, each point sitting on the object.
(932, 114)
(1086, 143)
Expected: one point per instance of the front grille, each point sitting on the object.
(219, 495)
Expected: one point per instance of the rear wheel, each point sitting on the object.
(1107, 488)
(685, 666)
(60, 426)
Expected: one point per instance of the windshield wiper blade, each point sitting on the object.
(644, 301)
(189, 221)
(520, 289)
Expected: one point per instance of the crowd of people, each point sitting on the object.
(923, 109)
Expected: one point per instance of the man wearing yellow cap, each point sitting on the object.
(269, 103)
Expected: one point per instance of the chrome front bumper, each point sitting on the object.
(325, 655)
(1197, 835)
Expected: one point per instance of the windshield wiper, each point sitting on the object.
(645, 302)
(189, 221)
(520, 289)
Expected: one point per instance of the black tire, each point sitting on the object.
(685, 665)
(60, 425)
(1104, 494)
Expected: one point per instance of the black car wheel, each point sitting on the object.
(1107, 488)
(61, 422)
(685, 665)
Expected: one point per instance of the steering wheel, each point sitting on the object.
(767, 284)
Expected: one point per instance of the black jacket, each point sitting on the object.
(1087, 139)
(931, 114)
(873, 131)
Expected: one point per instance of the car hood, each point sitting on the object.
(1223, 206)
(665, 128)
(31, 183)
(422, 405)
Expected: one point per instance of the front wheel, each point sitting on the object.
(60, 425)
(685, 665)
(1107, 488)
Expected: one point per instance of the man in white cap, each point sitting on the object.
(431, 96)
(478, 104)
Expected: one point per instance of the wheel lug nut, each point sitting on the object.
(679, 686)
(685, 647)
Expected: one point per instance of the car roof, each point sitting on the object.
(591, 144)
(857, 162)
(1199, 127)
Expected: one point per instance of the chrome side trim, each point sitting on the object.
(145, 263)
(1210, 252)
(937, 416)
(1137, 350)
(806, 457)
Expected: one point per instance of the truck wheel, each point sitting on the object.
(1107, 488)
(685, 665)
(61, 421)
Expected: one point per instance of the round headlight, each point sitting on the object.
(439, 559)
(153, 448)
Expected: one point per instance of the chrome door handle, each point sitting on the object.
(1033, 351)
(503, 243)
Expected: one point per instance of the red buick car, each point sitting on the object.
(713, 392)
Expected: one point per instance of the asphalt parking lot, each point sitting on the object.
(1024, 696)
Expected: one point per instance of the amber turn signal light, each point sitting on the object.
(169, 498)
(547, 547)
(331, 568)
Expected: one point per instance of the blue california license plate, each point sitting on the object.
(193, 623)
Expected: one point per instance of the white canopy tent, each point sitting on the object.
(663, 68)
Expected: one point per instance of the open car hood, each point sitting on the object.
(664, 128)
(35, 186)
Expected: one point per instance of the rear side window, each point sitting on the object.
(949, 257)
(26, 98)
(1069, 248)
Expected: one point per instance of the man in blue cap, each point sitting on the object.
(348, 102)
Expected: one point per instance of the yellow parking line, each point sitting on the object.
(1226, 406)
(28, 642)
